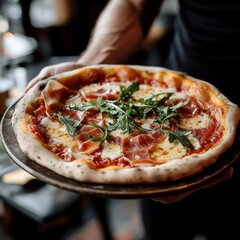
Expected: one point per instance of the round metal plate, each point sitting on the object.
(107, 190)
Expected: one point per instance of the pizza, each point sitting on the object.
(124, 124)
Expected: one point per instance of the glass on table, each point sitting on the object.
(4, 26)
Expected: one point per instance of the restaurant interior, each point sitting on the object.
(34, 34)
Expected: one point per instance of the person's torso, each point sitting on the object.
(206, 42)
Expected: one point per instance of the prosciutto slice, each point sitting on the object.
(138, 147)
(54, 96)
(85, 143)
(107, 94)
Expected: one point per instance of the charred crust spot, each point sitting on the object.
(168, 179)
(41, 86)
(184, 174)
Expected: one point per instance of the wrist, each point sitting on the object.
(89, 58)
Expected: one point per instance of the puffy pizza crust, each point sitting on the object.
(174, 170)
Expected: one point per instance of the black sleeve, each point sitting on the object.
(150, 10)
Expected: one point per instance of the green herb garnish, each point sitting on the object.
(125, 114)
(125, 93)
(70, 124)
(180, 136)
(105, 136)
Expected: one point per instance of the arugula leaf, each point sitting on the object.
(165, 113)
(83, 107)
(125, 113)
(149, 100)
(180, 104)
(70, 124)
(105, 136)
(125, 92)
(180, 136)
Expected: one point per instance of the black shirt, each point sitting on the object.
(206, 43)
(206, 46)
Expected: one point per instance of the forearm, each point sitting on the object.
(117, 34)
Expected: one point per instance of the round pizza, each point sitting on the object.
(124, 124)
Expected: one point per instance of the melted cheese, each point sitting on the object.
(194, 142)
(97, 87)
(111, 151)
(59, 134)
(178, 95)
(76, 100)
(197, 122)
(166, 151)
(106, 86)
(146, 123)
(117, 133)
(146, 90)
(74, 150)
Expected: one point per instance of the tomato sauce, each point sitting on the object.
(99, 163)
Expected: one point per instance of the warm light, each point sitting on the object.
(4, 25)
(8, 36)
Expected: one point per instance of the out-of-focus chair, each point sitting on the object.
(35, 210)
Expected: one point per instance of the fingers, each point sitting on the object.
(173, 197)
(35, 80)
(51, 71)
(176, 197)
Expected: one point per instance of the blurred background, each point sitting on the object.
(34, 34)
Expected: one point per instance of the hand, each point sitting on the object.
(176, 197)
(52, 70)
